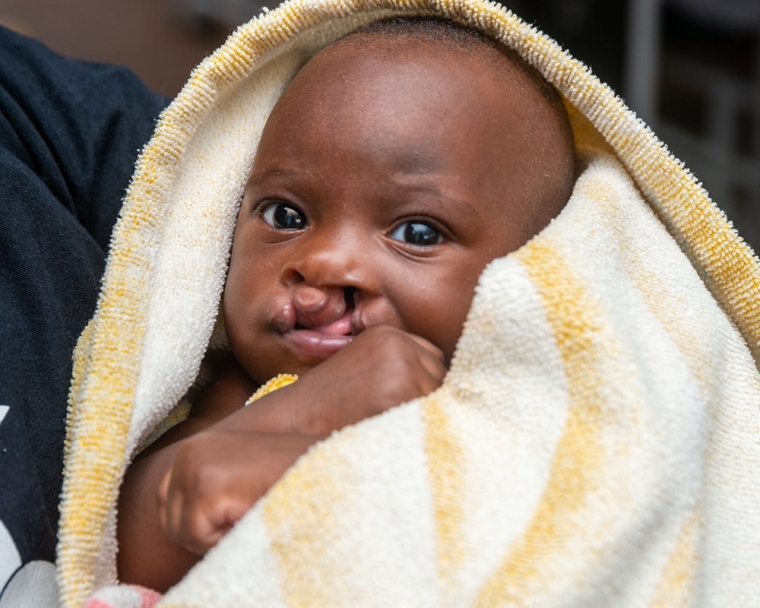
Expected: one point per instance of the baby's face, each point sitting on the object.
(385, 180)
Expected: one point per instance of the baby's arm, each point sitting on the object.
(146, 556)
(212, 478)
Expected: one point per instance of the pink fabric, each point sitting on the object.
(123, 596)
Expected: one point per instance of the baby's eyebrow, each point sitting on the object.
(441, 196)
(273, 172)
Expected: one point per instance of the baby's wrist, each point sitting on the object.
(280, 411)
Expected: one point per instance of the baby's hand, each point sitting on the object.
(383, 367)
(218, 474)
(216, 477)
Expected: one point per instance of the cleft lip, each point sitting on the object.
(322, 329)
(357, 324)
(330, 316)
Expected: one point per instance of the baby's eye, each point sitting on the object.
(283, 217)
(417, 233)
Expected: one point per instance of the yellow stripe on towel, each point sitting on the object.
(303, 531)
(581, 342)
(444, 463)
(677, 584)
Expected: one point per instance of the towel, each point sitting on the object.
(595, 442)
(123, 596)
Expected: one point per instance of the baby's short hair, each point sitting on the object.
(458, 37)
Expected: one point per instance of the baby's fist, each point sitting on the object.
(382, 368)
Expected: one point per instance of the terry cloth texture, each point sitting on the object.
(123, 596)
(595, 442)
(70, 133)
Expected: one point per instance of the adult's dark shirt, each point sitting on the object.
(70, 132)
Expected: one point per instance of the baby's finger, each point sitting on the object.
(171, 512)
(434, 366)
(176, 517)
(206, 522)
(428, 381)
(162, 497)
(429, 347)
(197, 534)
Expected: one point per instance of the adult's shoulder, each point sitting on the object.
(76, 125)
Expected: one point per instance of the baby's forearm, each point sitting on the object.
(215, 477)
(285, 411)
(146, 557)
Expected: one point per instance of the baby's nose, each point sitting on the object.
(316, 306)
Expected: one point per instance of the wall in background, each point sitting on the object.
(154, 38)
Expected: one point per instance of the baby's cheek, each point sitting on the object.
(446, 323)
(236, 307)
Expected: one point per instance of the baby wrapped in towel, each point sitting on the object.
(583, 431)
(365, 225)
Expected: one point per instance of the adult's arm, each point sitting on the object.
(70, 132)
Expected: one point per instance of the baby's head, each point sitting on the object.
(399, 162)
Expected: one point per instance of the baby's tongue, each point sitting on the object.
(340, 327)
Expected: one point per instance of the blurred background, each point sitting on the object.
(689, 68)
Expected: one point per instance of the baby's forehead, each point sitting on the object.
(459, 53)
(372, 84)
(374, 63)
(434, 104)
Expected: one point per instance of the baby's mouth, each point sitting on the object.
(321, 332)
(341, 327)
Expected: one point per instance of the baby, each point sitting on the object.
(399, 162)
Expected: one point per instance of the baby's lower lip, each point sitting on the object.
(315, 344)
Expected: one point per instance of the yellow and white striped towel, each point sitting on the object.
(596, 441)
